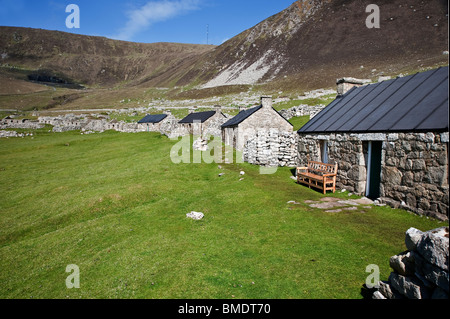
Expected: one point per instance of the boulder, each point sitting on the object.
(412, 237)
(409, 287)
(388, 292)
(433, 246)
(403, 263)
(431, 273)
(195, 215)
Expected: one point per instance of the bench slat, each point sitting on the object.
(306, 175)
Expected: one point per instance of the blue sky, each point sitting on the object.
(183, 21)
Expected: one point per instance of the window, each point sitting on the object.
(324, 151)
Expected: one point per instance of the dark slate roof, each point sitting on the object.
(200, 116)
(415, 103)
(153, 119)
(241, 116)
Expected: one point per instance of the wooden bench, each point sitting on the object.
(318, 175)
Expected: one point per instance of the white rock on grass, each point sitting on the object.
(195, 215)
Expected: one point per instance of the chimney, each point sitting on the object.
(192, 109)
(168, 112)
(266, 101)
(218, 108)
(346, 84)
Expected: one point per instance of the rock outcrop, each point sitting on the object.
(421, 272)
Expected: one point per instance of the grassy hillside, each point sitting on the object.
(115, 205)
(89, 60)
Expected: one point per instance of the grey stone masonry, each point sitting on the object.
(421, 272)
(8, 123)
(301, 110)
(272, 148)
(415, 172)
(414, 167)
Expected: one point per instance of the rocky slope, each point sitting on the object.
(307, 46)
(317, 41)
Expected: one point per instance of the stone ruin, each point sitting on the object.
(421, 272)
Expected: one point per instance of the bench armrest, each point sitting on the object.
(329, 175)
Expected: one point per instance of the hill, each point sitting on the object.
(53, 56)
(312, 43)
(307, 46)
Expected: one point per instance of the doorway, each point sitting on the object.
(373, 162)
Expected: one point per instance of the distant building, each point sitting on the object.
(204, 123)
(152, 123)
(245, 126)
(390, 140)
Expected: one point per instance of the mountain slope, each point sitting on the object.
(307, 46)
(90, 60)
(316, 41)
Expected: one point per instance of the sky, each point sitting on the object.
(148, 21)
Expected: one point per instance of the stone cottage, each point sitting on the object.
(203, 123)
(152, 123)
(244, 126)
(390, 140)
(262, 135)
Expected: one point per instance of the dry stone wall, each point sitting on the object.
(301, 110)
(21, 124)
(272, 148)
(421, 272)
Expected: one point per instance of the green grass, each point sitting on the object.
(115, 205)
(299, 121)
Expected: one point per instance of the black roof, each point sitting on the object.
(200, 117)
(415, 103)
(153, 118)
(241, 116)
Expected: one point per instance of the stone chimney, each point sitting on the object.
(218, 108)
(346, 84)
(168, 112)
(266, 101)
(192, 109)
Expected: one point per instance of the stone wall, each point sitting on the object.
(8, 134)
(22, 124)
(346, 150)
(213, 126)
(421, 272)
(414, 172)
(272, 148)
(169, 126)
(301, 110)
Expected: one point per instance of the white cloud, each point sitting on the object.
(152, 12)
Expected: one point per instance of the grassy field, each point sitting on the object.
(115, 205)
